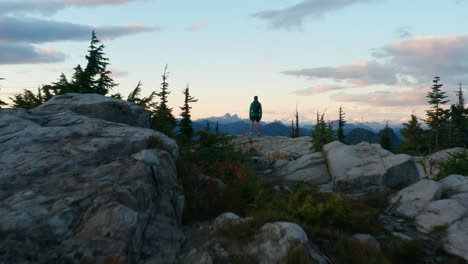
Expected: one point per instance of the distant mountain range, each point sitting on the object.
(355, 132)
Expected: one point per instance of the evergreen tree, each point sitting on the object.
(217, 128)
(28, 99)
(459, 121)
(292, 133)
(97, 68)
(81, 81)
(62, 86)
(461, 98)
(162, 119)
(341, 124)
(117, 96)
(322, 134)
(297, 124)
(385, 140)
(185, 124)
(436, 116)
(329, 134)
(147, 103)
(414, 143)
(295, 127)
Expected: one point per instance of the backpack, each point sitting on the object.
(256, 107)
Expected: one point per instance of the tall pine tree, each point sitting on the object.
(96, 71)
(322, 133)
(459, 121)
(163, 120)
(185, 124)
(295, 127)
(436, 116)
(341, 124)
(414, 143)
(385, 140)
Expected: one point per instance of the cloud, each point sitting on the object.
(198, 25)
(24, 32)
(47, 7)
(403, 32)
(319, 89)
(409, 97)
(295, 15)
(409, 63)
(27, 54)
(426, 56)
(36, 30)
(360, 74)
(118, 73)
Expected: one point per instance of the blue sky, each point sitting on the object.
(377, 58)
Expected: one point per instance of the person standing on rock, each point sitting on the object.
(255, 115)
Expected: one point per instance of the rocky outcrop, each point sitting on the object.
(275, 148)
(274, 240)
(100, 107)
(432, 163)
(270, 243)
(365, 168)
(309, 168)
(75, 188)
(284, 159)
(439, 213)
(410, 201)
(421, 202)
(455, 183)
(457, 239)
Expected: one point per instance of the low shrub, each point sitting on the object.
(406, 251)
(299, 256)
(457, 163)
(154, 142)
(216, 178)
(353, 251)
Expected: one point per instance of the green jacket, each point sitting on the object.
(252, 114)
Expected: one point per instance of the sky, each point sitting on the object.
(375, 58)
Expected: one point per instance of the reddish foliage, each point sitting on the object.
(228, 171)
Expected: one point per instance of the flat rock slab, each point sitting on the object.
(275, 148)
(439, 213)
(410, 201)
(310, 168)
(457, 239)
(456, 183)
(366, 169)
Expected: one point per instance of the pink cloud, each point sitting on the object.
(118, 73)
(409, 97)
(198, 25)
(362, 73)
(319, 89)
